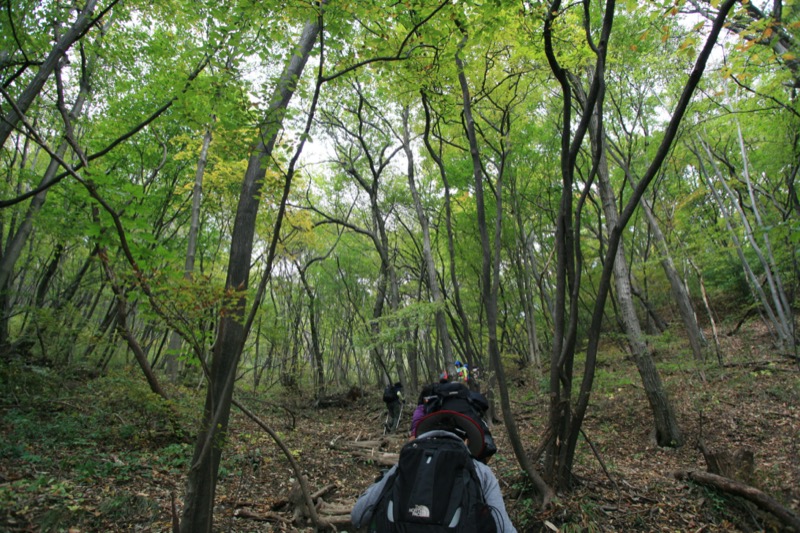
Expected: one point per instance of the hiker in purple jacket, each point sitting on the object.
(419, 411)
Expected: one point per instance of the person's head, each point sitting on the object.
(426, 392)
(398, 385)
(457, 423)
(458, 364)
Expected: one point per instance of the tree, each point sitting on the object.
(667, 432)
(17, 107)
(774, 302)
(191, 248)
(427, 254)
(490, 270)
(313, 316)
(565, 422)
(629, 128)
(435, 153)
(364, 152)
(201, 483)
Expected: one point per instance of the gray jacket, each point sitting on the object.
(362, 511)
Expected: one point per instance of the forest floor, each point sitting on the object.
(93, 456)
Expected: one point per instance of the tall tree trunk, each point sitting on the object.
(525, 272)
(559, 455)
(49, 273)
(667, 431)
(427, 254)
(466, 334)
(123, 328)
(710, 314)
(490, 282)
(202, 479)
(316, 351)
(565, 422)
(680, 295)
(313, 321)
(171, 359)
(666, 426)
(654, 321)
(782, 308)
(776, 315)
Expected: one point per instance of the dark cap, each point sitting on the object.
(457, 423)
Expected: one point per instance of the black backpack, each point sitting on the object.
(457, 397)
(389, 394)
(435, 488)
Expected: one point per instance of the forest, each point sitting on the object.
(226, 225)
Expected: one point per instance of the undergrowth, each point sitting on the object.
(106, 454)
(74, 446)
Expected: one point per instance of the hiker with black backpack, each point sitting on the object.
(455, 396)
(393, 398)
(438, 483)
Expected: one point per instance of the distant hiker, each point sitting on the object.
(393, 398)
(424, 396)
(475, 375)
(437, 484)
(462, 372)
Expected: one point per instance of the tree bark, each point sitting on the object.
(202, 479)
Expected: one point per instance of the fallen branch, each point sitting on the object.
(760, 365)
(368, 450)
(600, 460)
(335, 522)
(762, 500)
(323, 491)
(335, 515)
(381, 458)
(328, 510)
(269, 517)
(368, 444)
